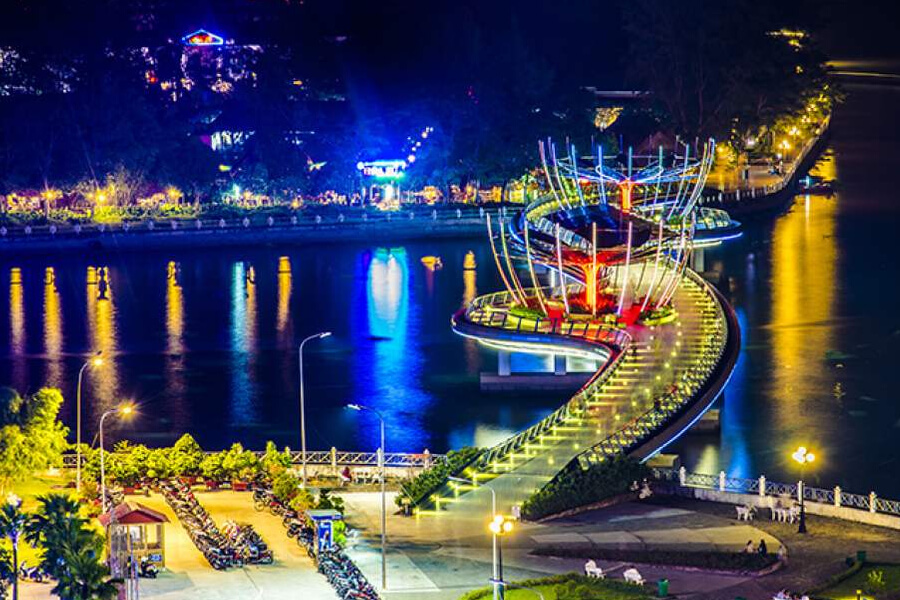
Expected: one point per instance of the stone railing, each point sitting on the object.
(762, 493)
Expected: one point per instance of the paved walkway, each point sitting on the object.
(189, 576)
(441, 558)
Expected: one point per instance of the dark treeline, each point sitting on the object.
(355, 79)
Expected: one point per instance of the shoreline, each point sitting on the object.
(120, 240)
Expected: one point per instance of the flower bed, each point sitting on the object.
(712, 561)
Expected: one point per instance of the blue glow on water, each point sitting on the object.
(240, 329)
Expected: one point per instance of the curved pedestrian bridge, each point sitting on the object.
(655, 381)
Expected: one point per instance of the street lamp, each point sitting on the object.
(315, 336)
(361, 407)
(804, 457)
(95, 361)
(494, 575)
(13, 522)
(124, 410)
(500, 526)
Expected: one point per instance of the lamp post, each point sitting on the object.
(123, 410)
(96, 361)
(494, 574)
(12, 522)
(361, 407)
(804, 457)
(500, 526)
(315, 336)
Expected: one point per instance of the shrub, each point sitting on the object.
(186, 456)
(428, 481)
(302, 501)
(211, 466)
(274, 462)
(326, 500)
(574, 583)
(240, 464)
(574, 486)
(285, 487)
(159, 465)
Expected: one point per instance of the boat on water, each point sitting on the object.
(432, 262)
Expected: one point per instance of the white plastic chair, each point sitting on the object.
(592, 570)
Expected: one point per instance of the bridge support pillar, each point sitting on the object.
(699, 260)
(559, 364)
(503, 365)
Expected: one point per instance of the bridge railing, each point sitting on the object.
(670, 404)
(573, 408)
(763, 488)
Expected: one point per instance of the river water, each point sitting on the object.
(207, 341)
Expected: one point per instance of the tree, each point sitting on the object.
(274, 462)
(57, 528)
(186, 456)
(12, 526)
(31, 436)
(709, 64)
(85, 578)
(211, 466)
(240, 464)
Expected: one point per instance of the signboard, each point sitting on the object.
(201, 37)
(324, 536)
(382, 169)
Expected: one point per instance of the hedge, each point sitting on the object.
(713, 561)
(601, 588)
(574, 486)
(431, 479)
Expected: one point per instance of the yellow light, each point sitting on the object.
(507, 526)
(495, 527)
(97, 362)
(126, 410)
(810, 457)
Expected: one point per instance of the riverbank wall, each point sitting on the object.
(203, 234)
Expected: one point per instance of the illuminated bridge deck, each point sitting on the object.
(654, 383)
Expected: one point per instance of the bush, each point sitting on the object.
(159, 465)
(714, 561)
(574, 486)
(428, 481)
(239, 464)
(211, 466)
(574, 584)
(186, 456)
(285, 487)
(274, 462)
(326, 500)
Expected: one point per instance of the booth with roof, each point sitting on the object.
(136, 532)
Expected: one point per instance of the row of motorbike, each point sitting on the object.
(221, 550)
(341, 572)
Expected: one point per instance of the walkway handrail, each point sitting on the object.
(669, 404)
(762, 487)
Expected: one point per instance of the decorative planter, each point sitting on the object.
(240, 486)
(188, 480)
(211, 485)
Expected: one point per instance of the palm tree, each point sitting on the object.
(12, 525)
(57, 527)
(85, 578)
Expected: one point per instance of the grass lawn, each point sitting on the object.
(28, 491)
(846, 590)
(568, 586)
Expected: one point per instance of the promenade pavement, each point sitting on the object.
(189, 577)
(442, 557)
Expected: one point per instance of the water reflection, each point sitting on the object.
(243, 342)
(17, 326)
(53, 335)
(804, 263)
(394, 355)
(284, 298)
(470, 291)
(102, 336)
(174, 330)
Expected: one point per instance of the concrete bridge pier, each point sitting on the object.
(698, 262)
(559, 364)
(504, 369)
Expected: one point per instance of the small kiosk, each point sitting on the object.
(135, 531)
(324, 523)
